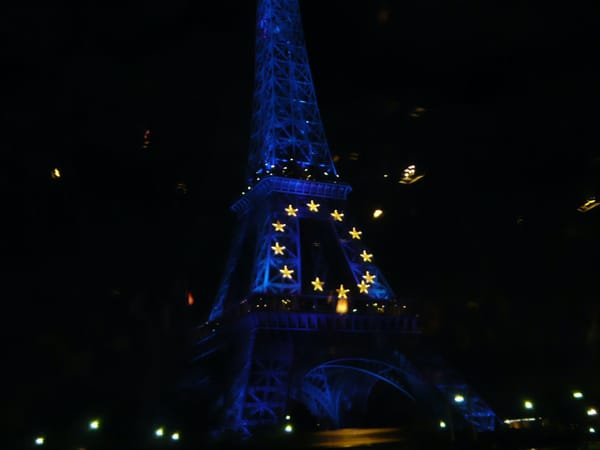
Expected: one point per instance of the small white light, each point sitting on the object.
(442, 424)
(287, 417)
(175, 436)
(288, 428)
(39, 440)
(592, 412)
(458, 398)
(528, 404)
(94, 424)
(159, 432)
(592, 430)
(577, 394)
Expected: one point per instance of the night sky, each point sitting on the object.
(489, 245)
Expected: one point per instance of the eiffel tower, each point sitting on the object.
(303, 315)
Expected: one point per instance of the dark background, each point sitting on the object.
(489, 244)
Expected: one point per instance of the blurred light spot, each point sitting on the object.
(383, 15)
(55, 173)
(190, 298)
(181, 188)
(175, 436)
(146, 142)
(341, 306)
(377, 213)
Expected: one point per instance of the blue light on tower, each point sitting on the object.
(287, 136)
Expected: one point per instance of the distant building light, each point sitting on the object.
(589, 204)
(591, 412)
(522, 419)
(458, 398)
(577, 394)
(410, 176)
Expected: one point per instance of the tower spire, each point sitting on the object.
(287, 136)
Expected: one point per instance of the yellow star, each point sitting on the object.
(367, 257)
(318, 284)
(355, 233)
(312, 206)
(291, 211)
(287, 273)
(368, 277)
(278, 249)
(342, 292)
(337, 215)
(279, 226)
(363, 287)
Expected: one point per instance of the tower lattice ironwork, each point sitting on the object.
(303, 314)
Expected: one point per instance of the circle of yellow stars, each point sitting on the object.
(367, 280)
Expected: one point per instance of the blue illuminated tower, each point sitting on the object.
(303, 314)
